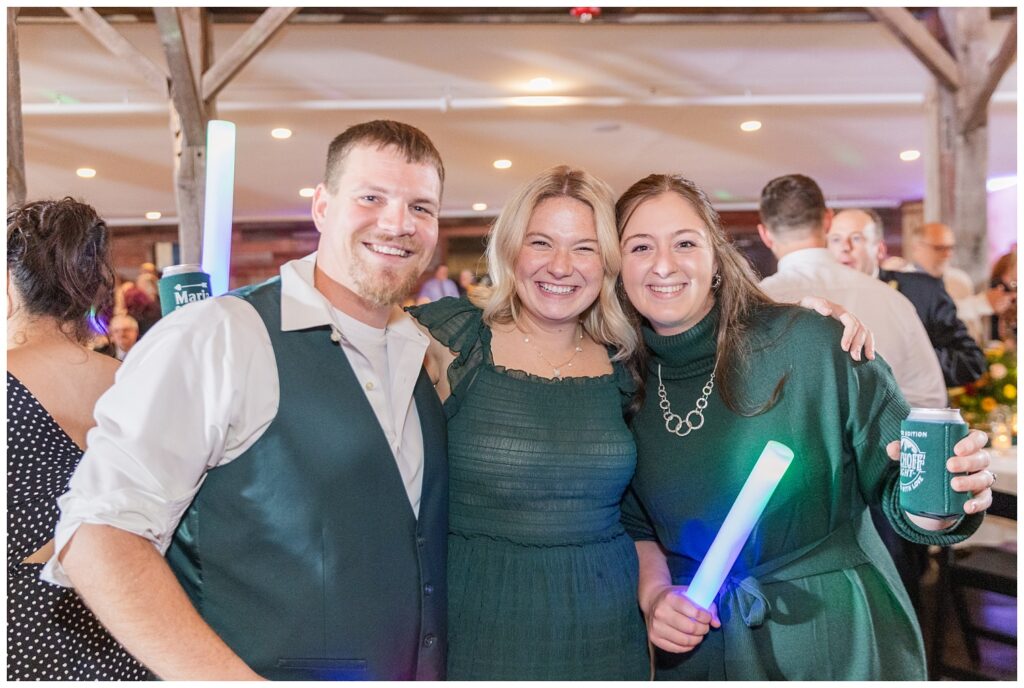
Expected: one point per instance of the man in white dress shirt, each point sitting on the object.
(794, 224)
(284, 448)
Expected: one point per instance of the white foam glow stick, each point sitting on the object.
(220, 189)
(745, 511)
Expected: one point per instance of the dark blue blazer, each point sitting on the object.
(961, 359)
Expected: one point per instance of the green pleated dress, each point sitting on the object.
(541, 575)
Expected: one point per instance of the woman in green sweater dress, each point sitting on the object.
(813, 594)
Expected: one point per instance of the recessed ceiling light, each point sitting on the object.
(307, 192)
(153, 215)
(85, 172)
(281, 133)
(750, 125)
(910, 155)
(540, 83)
(479, 207)
(502, 164)
(541, 101)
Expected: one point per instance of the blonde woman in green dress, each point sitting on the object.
(541, 575)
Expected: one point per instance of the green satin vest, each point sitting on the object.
(304, 553)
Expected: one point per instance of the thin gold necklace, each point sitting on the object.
(557, 369)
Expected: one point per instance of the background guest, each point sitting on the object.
(142, 301)
(856, 239)
(795, 221)
(931, 249)
(467, 281)
(123, 332)
(438, 286)
(1003, 326)
(58, 270)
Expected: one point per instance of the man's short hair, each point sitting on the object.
(875, 218)
(794, 203)
(383, 133)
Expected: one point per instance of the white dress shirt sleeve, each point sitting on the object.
(197, 391)
(919, 374)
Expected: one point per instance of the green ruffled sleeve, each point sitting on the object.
(457, 324)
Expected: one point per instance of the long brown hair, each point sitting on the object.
(738, 297)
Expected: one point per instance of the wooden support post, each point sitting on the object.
(188, 125)
(195, 24)
(967, 27)
(15, 139)
(940, 154)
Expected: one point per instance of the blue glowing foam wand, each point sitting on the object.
(220, 188)
(745, 511)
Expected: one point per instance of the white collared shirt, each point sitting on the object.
(899, 335)
(201, 387)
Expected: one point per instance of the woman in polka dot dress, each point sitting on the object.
(58, 270)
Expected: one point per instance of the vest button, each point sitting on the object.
(429, 640)
(428, 589)
(420, 540)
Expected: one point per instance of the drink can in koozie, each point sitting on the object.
(927, 438)
(182, 285)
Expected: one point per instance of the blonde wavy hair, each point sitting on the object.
(604, 320)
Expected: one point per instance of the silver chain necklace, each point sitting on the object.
(557, 369)
(673, 421)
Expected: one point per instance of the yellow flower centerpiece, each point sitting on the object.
(996, 388)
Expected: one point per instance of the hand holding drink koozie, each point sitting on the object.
(927, 440)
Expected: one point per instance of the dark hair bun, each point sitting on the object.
(58, 256)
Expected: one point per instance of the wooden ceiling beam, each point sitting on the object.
(919, 41)
(244, 49)
(111, 39)
(975, 113)
(183, 84)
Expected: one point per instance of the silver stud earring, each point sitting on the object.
(716, 281)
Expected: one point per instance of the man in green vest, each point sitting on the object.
(285, 450)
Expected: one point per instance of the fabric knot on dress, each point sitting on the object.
(746, 598)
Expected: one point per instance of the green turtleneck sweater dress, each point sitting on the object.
(813, 595)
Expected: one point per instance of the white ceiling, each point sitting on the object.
(839, 101)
